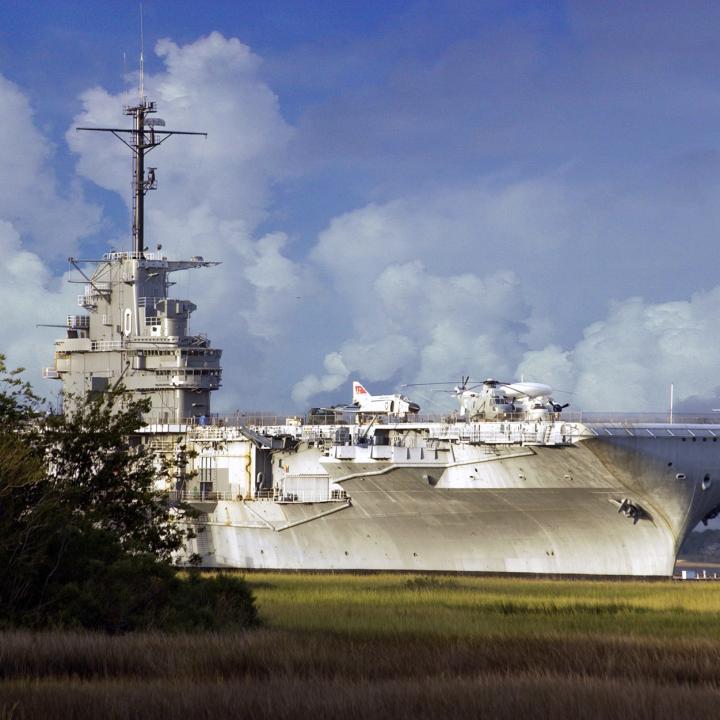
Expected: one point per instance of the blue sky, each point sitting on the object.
(399, 191)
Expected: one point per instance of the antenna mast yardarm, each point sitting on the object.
(143, 138)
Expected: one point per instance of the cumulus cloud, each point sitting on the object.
(51, 219)
(597, 198)
(445, 284)
(336, 373)
(39, 221)
(627, 361)
(410, 323)
(623, 363)
(28, 288)
(562, 241)
(211, 86)
(500, 279)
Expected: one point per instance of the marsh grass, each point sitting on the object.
(395, 646)
(490, 696)
(464, 606)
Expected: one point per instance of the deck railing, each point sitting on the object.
(274, 495)
(285, 420)
(191, 496)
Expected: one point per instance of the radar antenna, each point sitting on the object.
(142, 55)
(144, 137)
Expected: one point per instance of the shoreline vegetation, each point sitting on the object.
(401, 646)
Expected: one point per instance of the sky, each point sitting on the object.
(398, 192)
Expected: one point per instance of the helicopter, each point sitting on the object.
(493, 399)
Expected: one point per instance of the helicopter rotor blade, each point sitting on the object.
(464, 380)
(447, 382)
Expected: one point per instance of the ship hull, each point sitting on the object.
(510, 531)
(514, 509)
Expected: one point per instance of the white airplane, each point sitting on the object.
(364, 402)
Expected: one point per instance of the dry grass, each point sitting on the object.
(393, 646)
(489, 696)
(265, 654)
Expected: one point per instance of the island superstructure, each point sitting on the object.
(510, 484)
(132, 331)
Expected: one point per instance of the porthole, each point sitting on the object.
(680, 476)
(669, 464)
(707, 481)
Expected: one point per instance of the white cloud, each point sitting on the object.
(336, 373)
(51, 221)
(627, 361)
(32, 295)
(38, 224)
(624, 363)
(483, 280)
(535, 229)
(428, 284)
(411, 324)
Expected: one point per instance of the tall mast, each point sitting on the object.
(143, 137)
(140, 184)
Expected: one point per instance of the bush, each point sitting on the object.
(140, 593)
(212, 602)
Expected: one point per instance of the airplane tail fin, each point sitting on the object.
(359, 392)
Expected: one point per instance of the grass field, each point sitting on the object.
(474, 607)
(396, 646)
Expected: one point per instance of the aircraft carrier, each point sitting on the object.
(509, 485)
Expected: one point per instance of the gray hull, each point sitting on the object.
(500, 509)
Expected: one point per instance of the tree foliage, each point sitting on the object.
(86, 537)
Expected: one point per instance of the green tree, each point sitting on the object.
(86, 536)
(22, 486)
